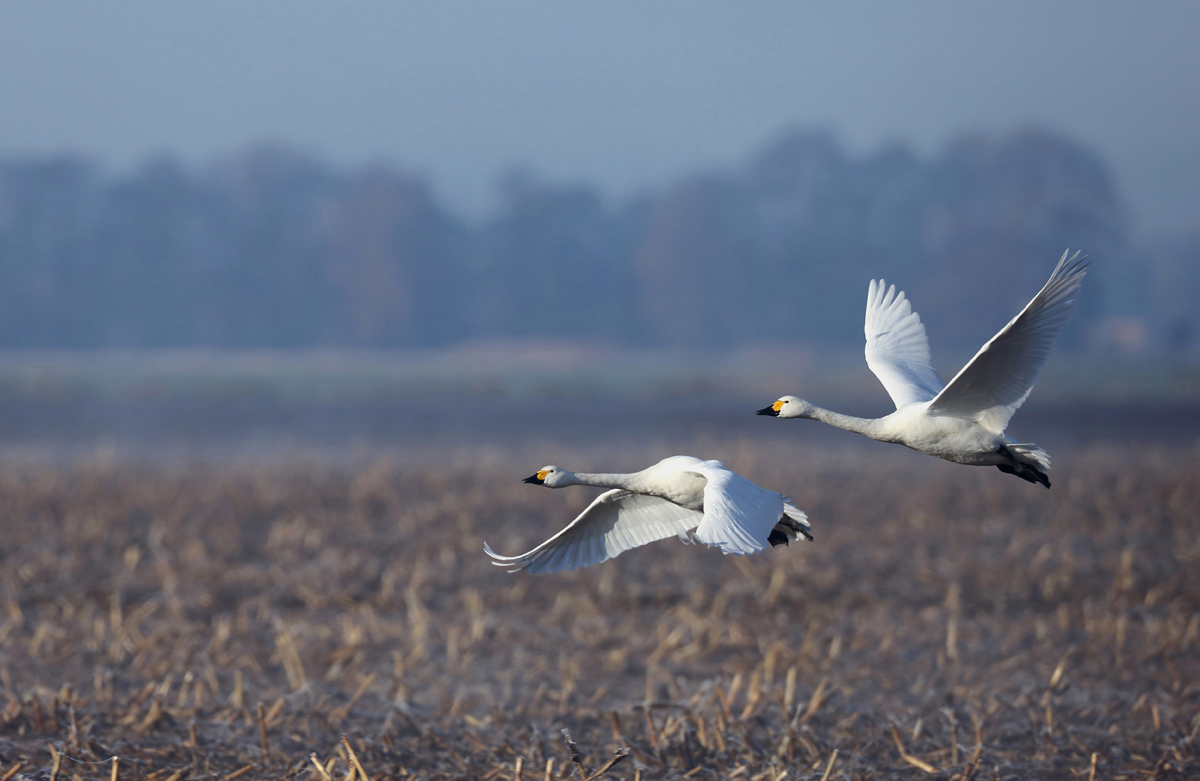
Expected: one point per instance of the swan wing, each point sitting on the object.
(897, 349)
(615, 522)
(999, 378)
(738, 515)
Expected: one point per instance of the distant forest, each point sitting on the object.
(271, 248)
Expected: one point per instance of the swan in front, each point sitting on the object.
(680, 496)
(962, 421)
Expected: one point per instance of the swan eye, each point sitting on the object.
(541, 475)
(778, 405)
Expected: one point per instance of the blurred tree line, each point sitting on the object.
(271, 248)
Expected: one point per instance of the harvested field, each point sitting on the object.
(220, 621)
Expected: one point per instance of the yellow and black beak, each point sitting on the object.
(538, 479)
(772, 410)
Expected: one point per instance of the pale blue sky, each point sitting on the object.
(625, 94)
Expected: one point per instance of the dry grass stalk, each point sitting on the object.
(320, 768)
(789, 696)
(350, 771)
(237, 697)
(829, 768)
(574, 752)
(918, 763)
(909, 758)
(237, 773)
(754, 693)
(618, 755)
(354, 758)
(274, 711)
(814, 702)
(651, 732)
(1059, 669)
(731, 698)
(262, 732)
(57, 762)
(74, 734)
(290, 657)
(953, 718)
(976, 755)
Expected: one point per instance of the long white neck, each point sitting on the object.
(866, 426)
(605, 480)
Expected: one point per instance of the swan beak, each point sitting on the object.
(535, 479)
(772, 411)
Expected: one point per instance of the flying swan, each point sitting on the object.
(963, 421)
(679, 496)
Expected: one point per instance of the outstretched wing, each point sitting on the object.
(615, 522)
(999, 378)
(738, 515)
(897, 349)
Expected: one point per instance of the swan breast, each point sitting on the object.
(952, 438)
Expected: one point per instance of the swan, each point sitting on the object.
(680, 496)
(962, 421)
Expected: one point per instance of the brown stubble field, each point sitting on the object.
(234, 620)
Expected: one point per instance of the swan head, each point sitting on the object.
(788, 407)
(551, 477)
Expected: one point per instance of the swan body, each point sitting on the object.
(963, 420)
(680, 496)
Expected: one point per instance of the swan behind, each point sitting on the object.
(963, 420)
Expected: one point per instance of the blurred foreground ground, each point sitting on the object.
(947, 619)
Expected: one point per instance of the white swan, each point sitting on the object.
(963, 421)
(679, 496)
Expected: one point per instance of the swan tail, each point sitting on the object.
(1030, 454)
(792, 526)
(1029, 462)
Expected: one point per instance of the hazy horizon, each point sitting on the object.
(622, 96)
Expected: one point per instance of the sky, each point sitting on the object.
(627, 95)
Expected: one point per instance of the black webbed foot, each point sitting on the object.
(791, 524)
(1027, 473)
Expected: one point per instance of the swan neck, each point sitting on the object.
(848, 422)
(603, 480)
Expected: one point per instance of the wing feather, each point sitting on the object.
(738, 515)
(897, 348)
(994, 384)
(615, 522)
